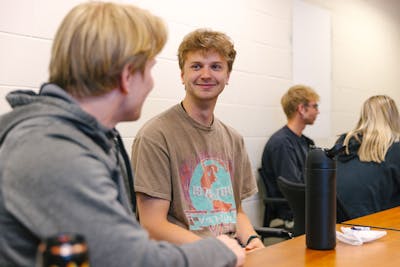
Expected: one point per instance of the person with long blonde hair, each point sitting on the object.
(368, 173)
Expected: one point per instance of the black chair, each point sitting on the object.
(295, 193)
(265, 232)
(270, 203)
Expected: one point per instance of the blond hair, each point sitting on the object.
(296, 95)
(96, 40)
(377, 129)
(207, 40)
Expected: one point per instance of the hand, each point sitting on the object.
(235, 247)
(254, 244)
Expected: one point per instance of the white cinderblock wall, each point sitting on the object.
(365, 56)
(365, 59)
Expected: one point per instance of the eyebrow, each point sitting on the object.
(213, 62)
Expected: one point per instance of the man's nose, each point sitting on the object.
(205, 73)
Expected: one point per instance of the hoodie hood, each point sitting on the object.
(54, 102)
(353, 147)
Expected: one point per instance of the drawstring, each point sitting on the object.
(121, 150)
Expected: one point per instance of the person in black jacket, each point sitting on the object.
(368, 173)
(286, 150)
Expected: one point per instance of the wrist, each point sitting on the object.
(251, 238)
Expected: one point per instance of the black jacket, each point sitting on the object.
(368, 187)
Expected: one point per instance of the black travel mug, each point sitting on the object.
(320, 200)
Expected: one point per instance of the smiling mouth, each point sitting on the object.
(206, 85)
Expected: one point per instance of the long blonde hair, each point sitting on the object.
(377, 129)
(96, 40)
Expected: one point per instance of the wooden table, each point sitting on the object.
(381, 252)
(387, 219)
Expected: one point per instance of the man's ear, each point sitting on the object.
(125, 78)
(227, 79)
(183, 82)
(301, 108)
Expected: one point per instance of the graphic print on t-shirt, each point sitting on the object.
(212, 204)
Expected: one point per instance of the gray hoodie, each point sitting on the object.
(62, 171)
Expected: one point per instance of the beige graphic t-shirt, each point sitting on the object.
(204, 171)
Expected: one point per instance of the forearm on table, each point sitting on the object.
(153, 213)
(244, 228)
(164, 230)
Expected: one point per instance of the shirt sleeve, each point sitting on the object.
(248, 183)
(151, 166)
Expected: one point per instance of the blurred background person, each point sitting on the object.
(368, 173)
(286, 150)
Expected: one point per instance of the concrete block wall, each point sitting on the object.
(365, 56)
(262, 70)
(261, 30)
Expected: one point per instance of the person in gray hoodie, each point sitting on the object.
(63, 166)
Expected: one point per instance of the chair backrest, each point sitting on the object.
(269, 202)
(295, 193)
